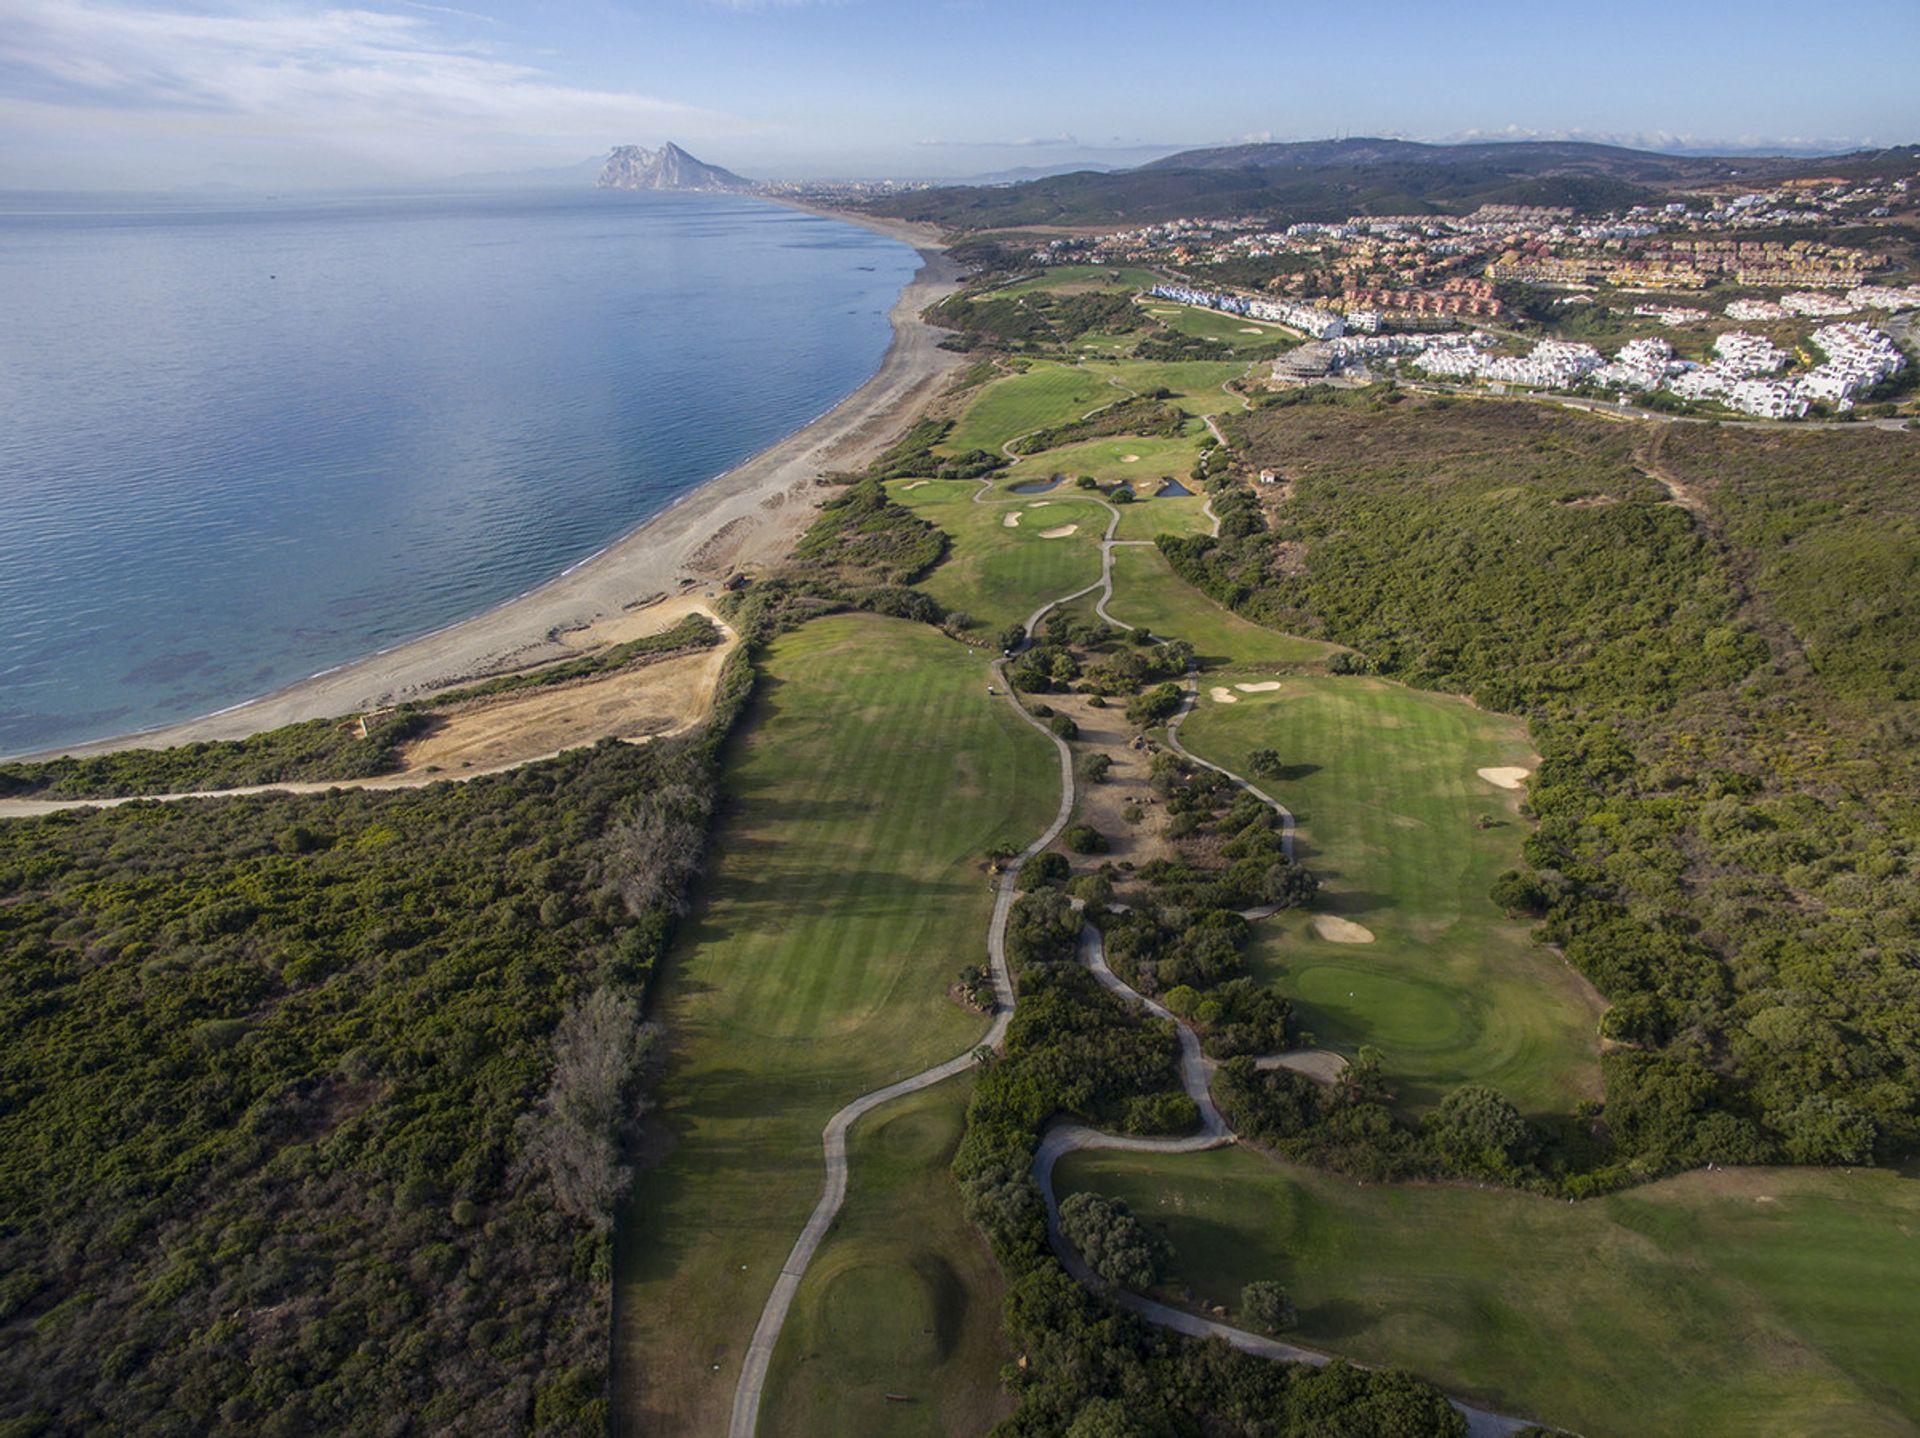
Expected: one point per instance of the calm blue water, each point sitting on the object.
(241, 445)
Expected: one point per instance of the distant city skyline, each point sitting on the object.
(165, 93)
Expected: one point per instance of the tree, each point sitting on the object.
(1105, 1418)
(1085, 839)
(1820, 1129)
(1155, 706)
(1042, 928)
(1520, 894)
(1265, 762)
(1044, 869)
(1095, 766)
(1012, 637)
(1478, 1131)
(1116, 1245)
(1268, 1307)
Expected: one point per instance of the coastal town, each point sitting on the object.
(1780, 304)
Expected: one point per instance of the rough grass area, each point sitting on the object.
(1000, 574)
(873, 773)
(1730, 1304)
(903, 1299)
(1147, 592)
(1406, 839)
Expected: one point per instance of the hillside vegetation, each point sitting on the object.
(1726, 789)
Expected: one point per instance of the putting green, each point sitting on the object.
(1738, 1303)
(835, 917)
(1406, 839)
(903, 1299)
(998, 574)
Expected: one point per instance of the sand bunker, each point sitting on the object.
(914, 484)
(1223, 695)
(1341, 931)
(1265, 686)
(1011, 520)
(1505, 778)
(1129, 459)
(1061, 533)
(1251, 330)
(1040, 504)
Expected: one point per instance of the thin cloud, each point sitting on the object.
(381, 80)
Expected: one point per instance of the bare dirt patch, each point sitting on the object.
(1341, 931)
(640, 702)
(1103, 804)
(636, 623)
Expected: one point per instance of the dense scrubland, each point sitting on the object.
(311, 1106)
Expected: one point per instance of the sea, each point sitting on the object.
(242, 443)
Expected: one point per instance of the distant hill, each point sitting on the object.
(1332, 179)
(633, 167)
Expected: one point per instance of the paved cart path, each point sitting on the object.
(1061, 1138)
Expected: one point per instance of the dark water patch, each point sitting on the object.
(1174, 489)
(1038, 486)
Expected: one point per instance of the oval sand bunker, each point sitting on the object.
(1060, 533)
(1341, 931)
(1129, 459)
(1508, 777)
(1265, 686)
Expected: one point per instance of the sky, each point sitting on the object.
(157, 94)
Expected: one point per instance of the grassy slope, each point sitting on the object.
(1146, 591)
(836, 916)
(1000, 575)
(1047, 394)
(1082, 279)
(893, 1306)
(1742, 1302)
(1388, 805)
(1212, 325)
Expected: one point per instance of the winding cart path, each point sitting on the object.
(1061, 1138)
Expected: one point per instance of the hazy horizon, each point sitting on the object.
(162, 94)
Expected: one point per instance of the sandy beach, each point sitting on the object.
(745, 518)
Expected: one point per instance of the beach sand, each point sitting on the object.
(744, 519)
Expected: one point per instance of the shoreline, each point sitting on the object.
(745, 518)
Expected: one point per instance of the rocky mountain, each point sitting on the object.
(634, 167)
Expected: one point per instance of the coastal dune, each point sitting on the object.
(746, 517)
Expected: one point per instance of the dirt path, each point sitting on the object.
(1649, 458)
